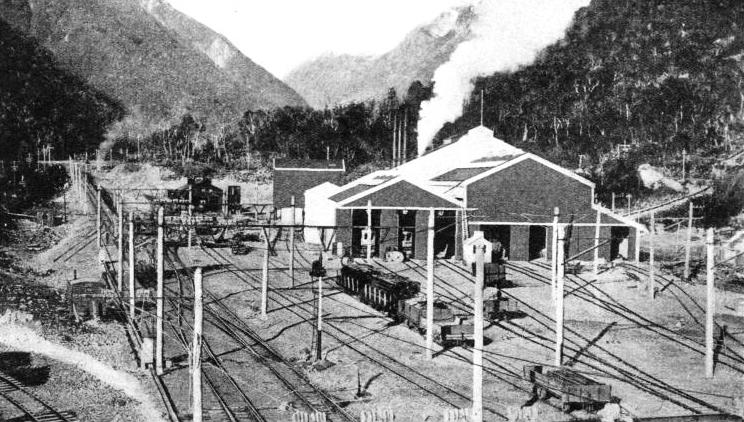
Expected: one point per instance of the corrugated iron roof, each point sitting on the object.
(351, 191)
(460, 174)
(300, 164)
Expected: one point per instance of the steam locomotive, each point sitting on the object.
(401, 299)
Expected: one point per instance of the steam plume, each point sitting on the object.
(507, 34)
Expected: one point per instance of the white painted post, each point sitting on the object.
(430, 287)
(265, 277)
(478, 334)
(710, 307)
(596, 244)
(120, 263)
(292, 243)
(131, 265)
(559, 298)
(554, 253)
(191, 216)
(651, 269)
(196, 384)
(98, 214)
(160, 267)
(319, 342)
(369, 231)
(688, 242)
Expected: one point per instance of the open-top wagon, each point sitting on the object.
(572, 388)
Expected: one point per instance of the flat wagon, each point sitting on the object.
(572, 388)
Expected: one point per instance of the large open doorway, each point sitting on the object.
(500, 233)
(619, 243)
(407, 232)
(537, 246)
(444, 234)
(359, 225)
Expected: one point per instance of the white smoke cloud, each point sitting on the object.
(507, 34)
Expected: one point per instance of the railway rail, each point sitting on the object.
(33, 408)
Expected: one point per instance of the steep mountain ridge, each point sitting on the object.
(335, 79)
(157, 62)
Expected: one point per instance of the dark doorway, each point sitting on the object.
(444, 234)
(407, 232)
(359, 224)
(502, 233)
(537, 249)
(619, 244)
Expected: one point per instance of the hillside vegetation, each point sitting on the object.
(155, 62)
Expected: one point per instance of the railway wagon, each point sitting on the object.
(448, 328)
(495, 274)
(378, 290)
(499, 308)
(572, 388)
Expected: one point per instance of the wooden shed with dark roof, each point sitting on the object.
(292, 177)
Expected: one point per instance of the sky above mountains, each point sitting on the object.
(281, 34)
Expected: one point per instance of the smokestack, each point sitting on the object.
(507, 34)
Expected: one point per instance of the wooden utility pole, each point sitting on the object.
(120, 263)
(554, 252)
(404, 150)
(629, 197)
(710, 301)
(430, 287)
(319, 342)
(98, 214)
(478, 335)
(196, 384)
(688, 242)
(559, 297)
(613, 201)
(596, 244)
(131, 265)
(191, 215)
(292, 243)
(160, 267)
(369, 231)
(265, 277)
(684, 163)
(651, 269)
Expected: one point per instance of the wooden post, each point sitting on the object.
(369, 231)
(596, 244)
(319, 342)
(120, 263)
(478, 335)
(131, 265)
(613, 201)
(629, 197)
(554, 253)
(196, 385)
(98, 214)
(684, 159)
(395, 139)
(651, 283)
(191, 213)
(292, 243)
(265, 277)
(559, 298)
(710, 307)
(430, 287)
(160, 267)
(688, 242)
(404, 150)
(457, 235)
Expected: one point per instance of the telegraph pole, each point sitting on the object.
(596, 245)
(196, 384)
(159, 299)
(265, 277)
(554, 252)
(478, 334)
(98, 214)
(710, 301)
(131, 265)
(191, 214)
(369, 231)
(430, 287)
(292, 243)
(319, 342)
(559, 298)
(651, 269)
(120, 263)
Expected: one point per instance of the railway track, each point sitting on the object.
(33, 408)
(301, 308)
(291, 378)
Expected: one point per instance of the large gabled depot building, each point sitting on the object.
(476, 183)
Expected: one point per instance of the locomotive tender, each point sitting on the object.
(400, 298)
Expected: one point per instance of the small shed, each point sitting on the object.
(320, 211)
(292, 177)
(204, 195)
(477, 239)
